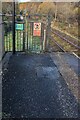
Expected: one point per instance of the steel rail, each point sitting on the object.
(67, 34)
(57, 44)
(66, 40)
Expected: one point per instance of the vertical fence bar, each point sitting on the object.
(11, 38)
(24, 32)
(16, 40)
(5, 43)
(27, 32)
(20, 40)
(9, 41)
(13, 27)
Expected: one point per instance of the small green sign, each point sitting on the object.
(19, 26)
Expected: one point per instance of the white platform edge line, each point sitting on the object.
(76, 55)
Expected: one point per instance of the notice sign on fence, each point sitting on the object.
(37, 29)
(19, 26)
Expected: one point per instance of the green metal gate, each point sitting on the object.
(36, 43)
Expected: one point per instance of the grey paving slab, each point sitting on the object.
(73, 62)
(69, 75)
(34, 88)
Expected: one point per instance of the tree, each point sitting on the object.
(46, 7)
(65, 13)
(7, 7)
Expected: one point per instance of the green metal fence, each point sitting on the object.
(24, 38)
(8, 40)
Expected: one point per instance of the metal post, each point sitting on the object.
(44, 42)
(24, 32)
(13, 27)
(48, 30)
(26, 28)
(27, 32)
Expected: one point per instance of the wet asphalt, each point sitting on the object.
(32, 87)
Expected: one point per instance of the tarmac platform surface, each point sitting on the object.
(33, 87)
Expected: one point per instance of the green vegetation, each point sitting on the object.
(72, 30)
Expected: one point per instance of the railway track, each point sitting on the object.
(63, 42)
(66, 38)
(55, 47)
